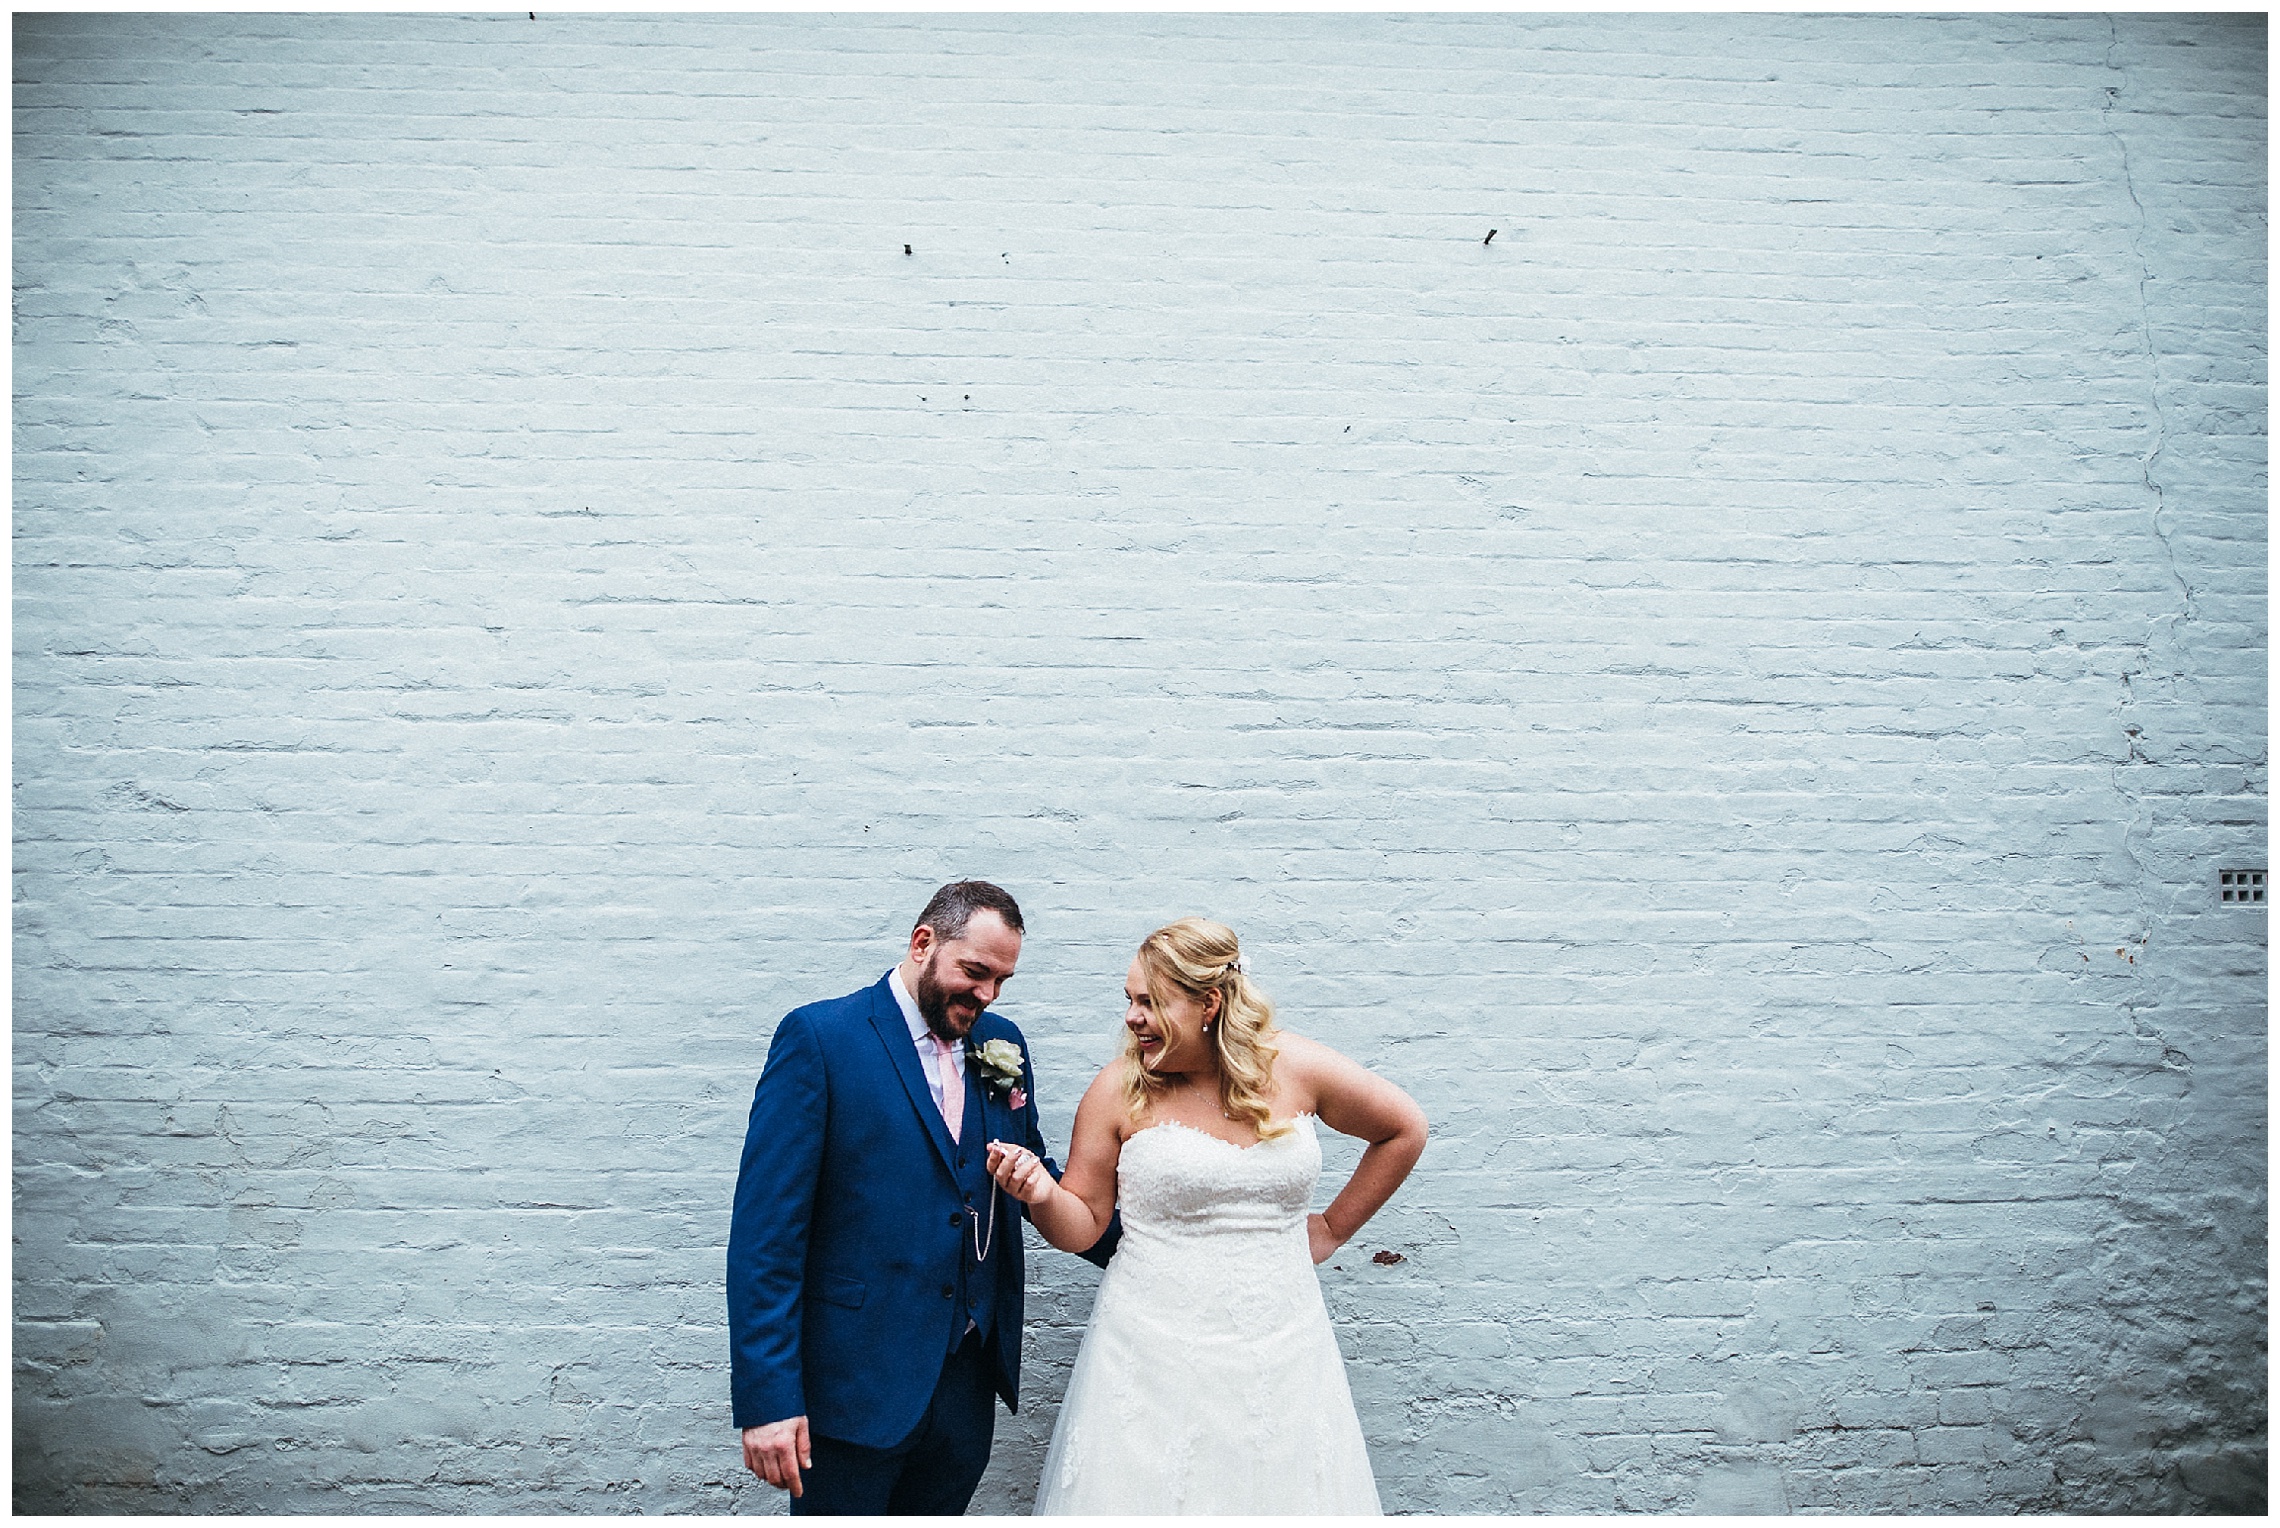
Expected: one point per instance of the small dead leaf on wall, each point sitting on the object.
(1387, 1258)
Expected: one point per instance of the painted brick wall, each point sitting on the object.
(1735, 692)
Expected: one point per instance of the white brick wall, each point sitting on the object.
(1734, 692)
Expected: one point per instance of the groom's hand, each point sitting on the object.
(778, 1451)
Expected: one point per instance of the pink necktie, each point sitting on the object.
(953, 1090)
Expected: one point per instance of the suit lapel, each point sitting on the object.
(978, 1115)
(887, 1020)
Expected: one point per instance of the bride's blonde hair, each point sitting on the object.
(1198, 957)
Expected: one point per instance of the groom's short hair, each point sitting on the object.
(949, 910)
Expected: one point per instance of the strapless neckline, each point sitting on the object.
(1177, 1124)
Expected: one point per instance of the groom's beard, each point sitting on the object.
(934, 1006)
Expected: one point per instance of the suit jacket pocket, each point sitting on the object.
(839, 1290)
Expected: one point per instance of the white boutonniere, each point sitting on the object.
(999, 1064)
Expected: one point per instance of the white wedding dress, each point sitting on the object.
(1209, 1380)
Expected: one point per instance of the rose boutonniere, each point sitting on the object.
(999, 1067)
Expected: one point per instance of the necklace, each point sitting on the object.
(1188, 1080)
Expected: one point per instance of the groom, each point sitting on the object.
(874, 1271)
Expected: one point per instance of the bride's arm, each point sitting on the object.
(1354, 1101)
(1073, 1213)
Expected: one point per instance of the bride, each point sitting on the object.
(1209, 1380)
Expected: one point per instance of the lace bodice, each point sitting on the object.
(1177, 1179)
(1226, 1223)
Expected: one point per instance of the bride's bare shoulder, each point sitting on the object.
(1103, 1103)
(1302, 1066)
(1301, 1054)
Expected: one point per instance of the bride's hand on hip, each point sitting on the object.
(1019, 1172)
(1319, 1240)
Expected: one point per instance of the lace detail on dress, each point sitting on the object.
(1209, 1380)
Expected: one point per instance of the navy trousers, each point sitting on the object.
(931, 1473)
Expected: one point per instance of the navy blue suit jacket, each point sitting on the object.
(848, 1225)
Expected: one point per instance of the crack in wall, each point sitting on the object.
(2138, 825)
(2145, 318)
